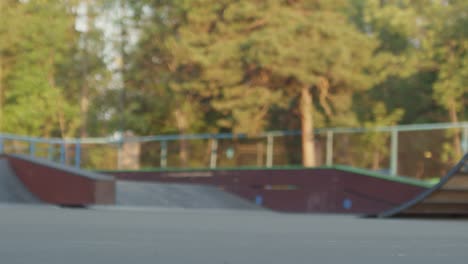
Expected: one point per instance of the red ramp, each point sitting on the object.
(54, 183)
(12, 190)
(336, 189)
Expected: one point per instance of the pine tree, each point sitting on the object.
(316, 55)
(242, 58)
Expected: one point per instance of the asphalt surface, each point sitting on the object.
(12, 189)
(170, 195)
(46, 234)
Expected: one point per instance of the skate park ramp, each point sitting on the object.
(447, 198)
(174, 195)
(32, 181)
(337, 189)
(12, 190)
(24, 177)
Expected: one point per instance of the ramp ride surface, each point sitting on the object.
(12, 190)
(59, 184)
(32, 181)
(336, 189)
(447, 198)
(175, 195)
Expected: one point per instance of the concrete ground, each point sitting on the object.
(171, 195)
(12, 189)
(46, 234)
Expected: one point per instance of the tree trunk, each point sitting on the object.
(457, 136)
(182, 126)
(307, 127)
(84, 97)
(376, 160)
(84, 109)
(260, 154)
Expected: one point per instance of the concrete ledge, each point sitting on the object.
(63, 185)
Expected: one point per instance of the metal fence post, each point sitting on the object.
(394, 153)
(270, 148)
(329, 159)
(163, 162)
(63, 154)
(78, 154)
(465, 139)
(120, 146)
(50, 152)
(32, 148)
(214, 153)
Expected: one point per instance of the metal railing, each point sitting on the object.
(379, 148)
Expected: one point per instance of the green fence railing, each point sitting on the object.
(422, 150)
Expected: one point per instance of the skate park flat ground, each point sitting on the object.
(49, 234)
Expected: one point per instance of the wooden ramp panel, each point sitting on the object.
(437, 209)
(460, 180)
(448, 198)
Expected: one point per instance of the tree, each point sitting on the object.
(163, 75)
(84, 74)
(298, 44)
(425, 75)
(9, 13)
(39, 46)
(449, 50)
(243, 57)
(375, 145)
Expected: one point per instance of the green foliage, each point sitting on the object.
(231, 66)
(375, 146)
(450, 55)
(32, 101)
(99, 157)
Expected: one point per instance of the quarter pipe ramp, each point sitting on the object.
(447, 198)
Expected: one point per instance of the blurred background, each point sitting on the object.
(241, 82)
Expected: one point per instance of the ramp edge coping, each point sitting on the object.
(68, 169)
